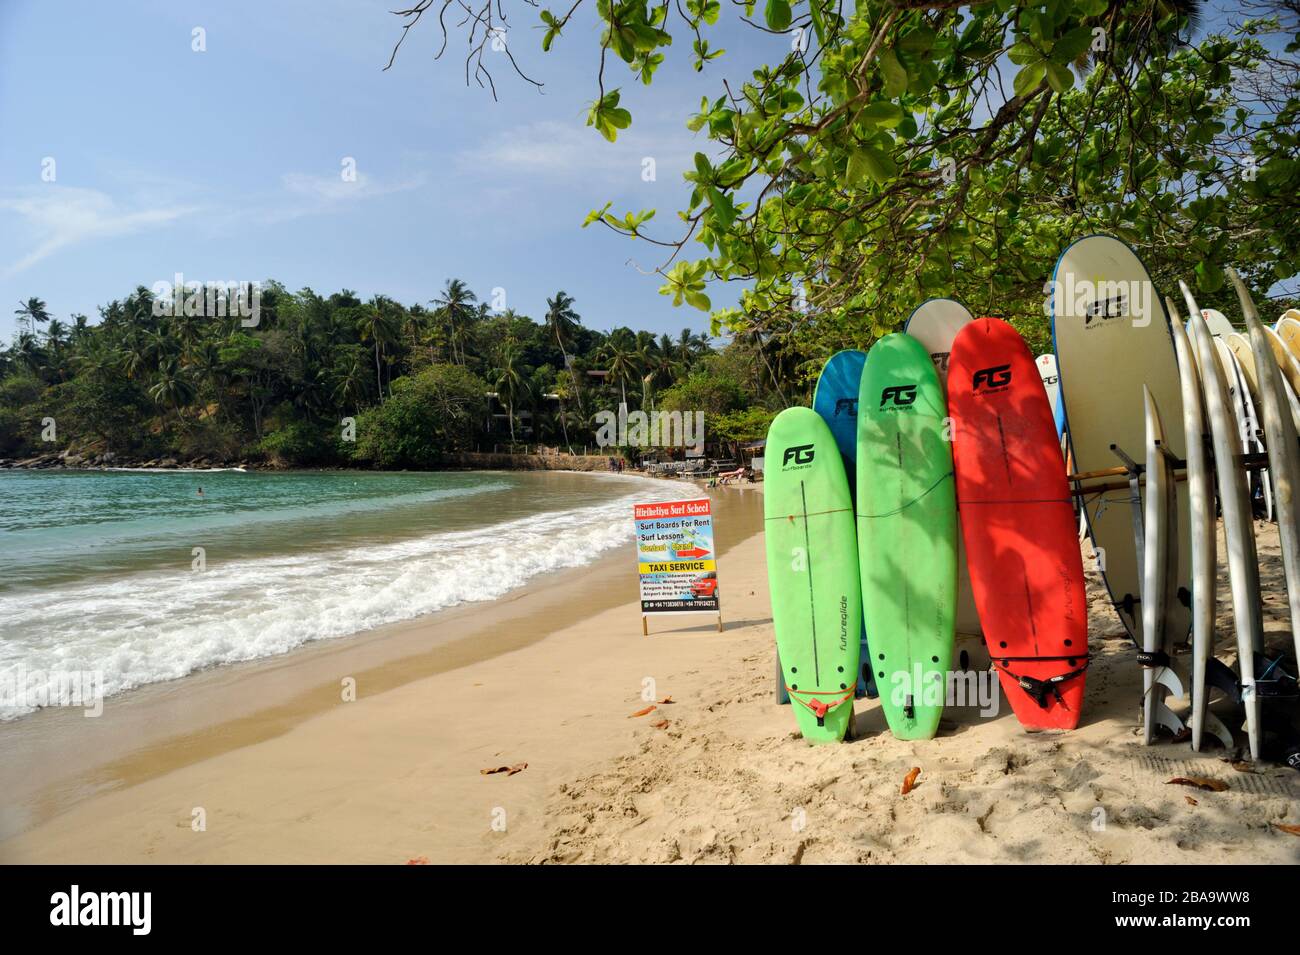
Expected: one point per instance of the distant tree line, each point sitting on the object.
(149, 381)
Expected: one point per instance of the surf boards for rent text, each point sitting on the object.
(836, 400)
(1019, 524)
(1238, 526)
(907, 526)
(1112, 337)
(812, 572)
(935, 323)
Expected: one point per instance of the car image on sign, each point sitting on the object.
(706, 586)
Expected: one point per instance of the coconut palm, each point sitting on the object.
(511, 381)
(455, 307)
(563, 322)
(380, 324)
(35, 311)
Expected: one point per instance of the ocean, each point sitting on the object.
(138, 577)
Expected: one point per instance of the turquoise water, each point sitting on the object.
(138, 577)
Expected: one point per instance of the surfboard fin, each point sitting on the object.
(1168, 678)
(1214, 726)
(1220, 676)
(1165, 717)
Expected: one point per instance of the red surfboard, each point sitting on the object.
(1019, 525)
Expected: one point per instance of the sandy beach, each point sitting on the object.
(278, 768)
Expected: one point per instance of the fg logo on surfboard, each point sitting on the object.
(847, 406)
(992, 379)
(800, 455)
(898, 396)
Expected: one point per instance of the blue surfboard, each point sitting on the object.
(836, 400)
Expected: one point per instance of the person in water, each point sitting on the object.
(200, 492)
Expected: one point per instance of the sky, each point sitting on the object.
(126, 156)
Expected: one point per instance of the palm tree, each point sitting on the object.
(564, 322)
(172, 387)
(690, 346)
(456, 309)
(620, 356)
(380, 325)
(34, 311)
(56, 338)
(511, 381)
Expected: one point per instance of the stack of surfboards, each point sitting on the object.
(989, 441)
(927, 494)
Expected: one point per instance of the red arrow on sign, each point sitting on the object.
(693, 552)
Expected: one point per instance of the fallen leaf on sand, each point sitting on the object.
(1293, 830)
(1191, 801)
(667, 699)
(1241, 766)
(909, 781)
(1200, 782)
(648, 709)
(418, 860)
(662, 724)
(508, 770)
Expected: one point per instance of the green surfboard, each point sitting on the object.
(907, 533)
(812, 572)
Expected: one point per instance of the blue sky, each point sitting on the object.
(226, 164)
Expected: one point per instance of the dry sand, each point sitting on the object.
(396, 776)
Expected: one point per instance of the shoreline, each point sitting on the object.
(158, 728)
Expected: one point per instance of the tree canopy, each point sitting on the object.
(908, 148)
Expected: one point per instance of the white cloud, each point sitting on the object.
(572, 151)
(332, 189)
(60, 216)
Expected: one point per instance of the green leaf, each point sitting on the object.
(1073, 45)
(778, 15)
(1209, 278)
(893, 72)
(1029, 77)
(1060, 78)
(881, 113)
(1022, 53)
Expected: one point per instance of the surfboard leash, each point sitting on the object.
(819, 708)
(1038, 690)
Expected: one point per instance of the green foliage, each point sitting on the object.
(439, 410)
(749, 424)
(893, 152)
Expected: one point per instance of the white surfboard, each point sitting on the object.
(1112, 337)
(1241, 347)
(1159, 580)
(1238, 526)
(1243, 406)
(1051, 381)
(1202, 513)
(935, 323)
(1218, 323)
(1283, 453)
(1288, 329)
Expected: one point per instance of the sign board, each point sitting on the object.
(676, 561)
